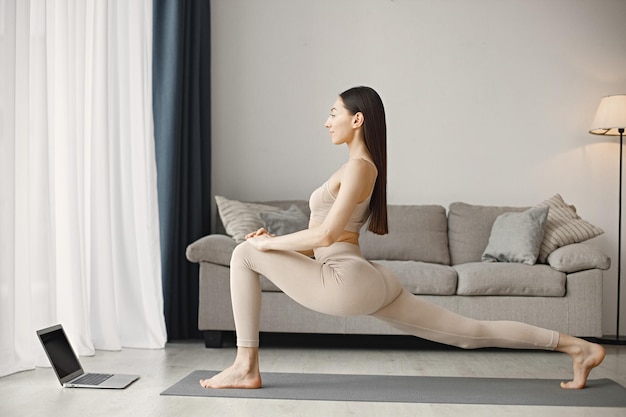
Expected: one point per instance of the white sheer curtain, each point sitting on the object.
(79, 236)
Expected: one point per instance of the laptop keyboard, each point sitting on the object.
(92, 379)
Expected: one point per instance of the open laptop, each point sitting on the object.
(67, 367)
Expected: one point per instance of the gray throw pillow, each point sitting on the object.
(564, 227)
(284, 222)
(517, 237)
(241, 218)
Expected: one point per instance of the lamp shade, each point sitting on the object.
(611, 116)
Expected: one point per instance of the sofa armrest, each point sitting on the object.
(216, 249)
(578, 257)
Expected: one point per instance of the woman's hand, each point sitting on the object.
(259, 232)
(259, 239)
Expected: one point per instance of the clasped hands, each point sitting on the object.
(259, 239)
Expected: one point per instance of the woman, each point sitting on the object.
(339, 281)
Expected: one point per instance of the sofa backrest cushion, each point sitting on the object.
(416, 233)
(469, 228)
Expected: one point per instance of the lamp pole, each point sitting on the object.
(618, 339)
(610, 120)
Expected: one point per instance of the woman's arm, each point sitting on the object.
(357, 179)
(263, 232)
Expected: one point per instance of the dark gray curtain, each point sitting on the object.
(182, 128)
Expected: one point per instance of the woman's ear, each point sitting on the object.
(358, 120)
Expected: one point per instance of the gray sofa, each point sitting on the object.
(437, 255)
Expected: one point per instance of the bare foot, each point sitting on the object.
(243, 374)
(234, 377)
(585, 356)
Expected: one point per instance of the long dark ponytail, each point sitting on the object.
(368, 102)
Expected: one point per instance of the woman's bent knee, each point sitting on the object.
(241, 253)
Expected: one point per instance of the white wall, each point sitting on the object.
(488, 101)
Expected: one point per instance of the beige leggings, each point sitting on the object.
(339, 281)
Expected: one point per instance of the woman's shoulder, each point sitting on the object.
(362, 164)
(362, 159)
(359, 171)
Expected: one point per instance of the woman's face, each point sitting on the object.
(340, 123)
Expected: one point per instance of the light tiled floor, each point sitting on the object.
(37, 392)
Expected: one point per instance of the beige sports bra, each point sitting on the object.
(322, 200)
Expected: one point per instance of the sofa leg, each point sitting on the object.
(213, 338)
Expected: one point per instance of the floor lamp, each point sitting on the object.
(611, 120)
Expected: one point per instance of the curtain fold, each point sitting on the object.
(79, 240)
(182, 122)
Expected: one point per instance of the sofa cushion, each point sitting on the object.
(509, 279)
(516, 237)
(564, 226)
(469, 227)
(423, 278)
(416, 233)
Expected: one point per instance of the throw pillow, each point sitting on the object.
(563, 227)
(285, 221)
(578, 257)
(241, 218)
(516, 237)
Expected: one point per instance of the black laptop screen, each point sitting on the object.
(60, 353)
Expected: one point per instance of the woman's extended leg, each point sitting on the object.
(429, 321)
(423, 319)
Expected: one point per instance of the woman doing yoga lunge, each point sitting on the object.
(337, 280)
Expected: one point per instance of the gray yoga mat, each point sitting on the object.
(413, 389)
